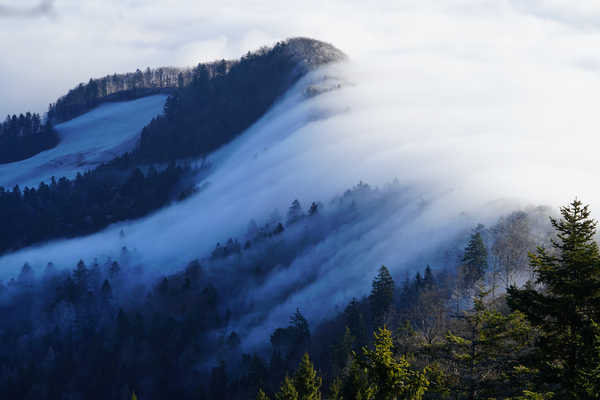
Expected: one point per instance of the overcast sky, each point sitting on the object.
(51, 46)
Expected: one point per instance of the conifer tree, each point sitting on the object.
(300, 329)
(428, 279)
(389, 378)
(287, 391)
(335, 390)
(262, 395)
(306, 380)
(382, 295)
(295, 213)
(474, 260)
(342, 351)
(355, 321)
(484, 349)
(566, 309)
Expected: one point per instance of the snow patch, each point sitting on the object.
(86, 141)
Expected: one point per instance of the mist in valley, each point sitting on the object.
(473, 115)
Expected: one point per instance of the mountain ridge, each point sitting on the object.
(307, 53)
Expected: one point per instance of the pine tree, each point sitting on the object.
(483, 352)
(261, 395)
(80, 274)
(342, 351)
(301, 330)
(287, 391)
(474, 260)
(567, 307)
(382, 295)
(295, 213)
(306, 380)
(428, 279)
(335, 390)
(388, 378)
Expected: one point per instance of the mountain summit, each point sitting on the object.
(311, 53)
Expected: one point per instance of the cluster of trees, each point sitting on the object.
(24, 136)
(117, 87)
(86, 204)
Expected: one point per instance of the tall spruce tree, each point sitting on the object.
(474, 260)
(482, 352)
(566, 307)
(261, 395)
(382, 295)
(379, 375)
(287, 391)
(306, 380)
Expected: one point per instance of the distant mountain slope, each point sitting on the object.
(121, 183)
(85, 142)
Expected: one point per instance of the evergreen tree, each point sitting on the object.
(306, 380)
(295, 213)
(314, 209)
(387, 378)
(566, 308)
(474, 260)
(261, 395)
(428, 279)
(343, 350)
(483, 352)
(301, 329)
(287, 391)
(382, 295)
(355, 321)
(335, 390)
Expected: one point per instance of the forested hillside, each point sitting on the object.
(224, 99)
(198, 119)
(93, 200)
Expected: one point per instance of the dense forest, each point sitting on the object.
(86, 204)
(24, 136)
(490, 323)
(213, 91)
(198, 117)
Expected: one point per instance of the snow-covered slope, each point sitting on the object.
(86, 141)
